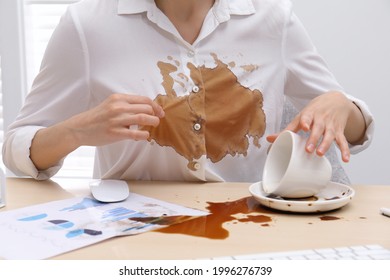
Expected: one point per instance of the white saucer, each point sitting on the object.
(333, 196)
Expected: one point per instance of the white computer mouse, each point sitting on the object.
(109, 190)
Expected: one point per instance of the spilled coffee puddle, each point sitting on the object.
(211, 226)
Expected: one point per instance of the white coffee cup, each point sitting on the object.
(2, 188)
(291, 172)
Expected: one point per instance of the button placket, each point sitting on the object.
(195, 87)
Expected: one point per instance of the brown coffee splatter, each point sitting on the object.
(211, 226)
(255, 219)
(250, 68)
(216, 121)
(329, 218)
(232, 64)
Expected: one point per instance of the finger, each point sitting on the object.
(342, 142)
(132, 109)
(302, 121)
(156, 108)
(306, 121)
(144, 109)
(119, 133)
(137, 135)
(294, 125)
(272, 137)
(326, 142)
(317, 130)
(141, 120)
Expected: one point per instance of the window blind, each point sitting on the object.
(41, 18)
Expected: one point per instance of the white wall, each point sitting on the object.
(353, 36)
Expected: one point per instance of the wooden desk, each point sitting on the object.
(357, 223)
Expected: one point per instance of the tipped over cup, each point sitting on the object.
(291, 172)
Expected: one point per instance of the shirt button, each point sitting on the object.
(197, 166)
(197, 126)
(195, 89)
(190, 53)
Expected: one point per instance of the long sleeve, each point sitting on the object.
(308, 75)
(59, 91)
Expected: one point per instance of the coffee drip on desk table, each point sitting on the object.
(211, 226)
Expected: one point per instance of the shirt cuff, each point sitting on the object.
(370, 125)
(21, 152)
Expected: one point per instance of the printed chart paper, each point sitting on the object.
(46, 230)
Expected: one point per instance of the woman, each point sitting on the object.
(179, 90)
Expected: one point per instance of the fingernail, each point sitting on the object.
(310, 148)
(320, 151)
(162, 113)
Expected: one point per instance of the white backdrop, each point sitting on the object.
(353, 36)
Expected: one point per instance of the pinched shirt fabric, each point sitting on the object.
(221, 95)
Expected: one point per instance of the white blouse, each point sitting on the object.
(221, 95)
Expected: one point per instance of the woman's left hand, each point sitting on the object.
(329, 117)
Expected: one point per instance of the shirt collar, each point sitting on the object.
(134, 6)
(222, 8)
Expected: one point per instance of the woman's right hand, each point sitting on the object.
(111, 120)
(107, 123)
